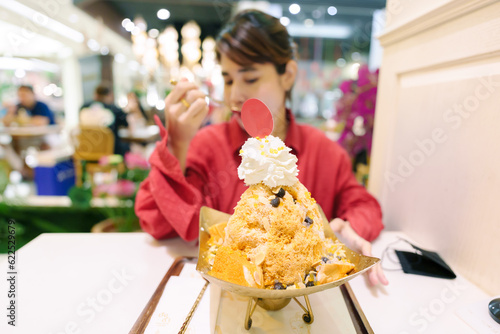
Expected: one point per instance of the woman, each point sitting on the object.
(192, 168)
(135, 110)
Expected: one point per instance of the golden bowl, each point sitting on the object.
(209, 217)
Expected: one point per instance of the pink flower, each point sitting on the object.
(364, 75)
(359, 100)
(122, 188)
(100, 190)
(104, 160)
(346, 86)
(134, 160)
(114, 159)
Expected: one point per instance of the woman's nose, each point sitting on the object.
(236, 96)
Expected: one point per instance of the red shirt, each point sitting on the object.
(168, 202)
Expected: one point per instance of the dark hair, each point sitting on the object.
(256, 37)
(26, 87)
(102, 90)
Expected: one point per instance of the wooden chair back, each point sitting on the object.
(93, 142)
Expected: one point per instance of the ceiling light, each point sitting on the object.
(316, 13)
(308, 22)
(341, 62)
(136, 31)
(153, 33)
(104, 50)
(294, 8)
(93, 44)
(49, 23)
(130, 26)
(141, 25)
(285, 20)
(125, 22)
(320, 31)
(332, 10)
(11, 63)
(163, 14)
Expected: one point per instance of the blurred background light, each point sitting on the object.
(285, 21)
(308, 23)
(320, 31)
(163, 14)
(294, 8)
(341, 62)
(125, 22)
(332, 10)
(48, 22)
(153, 33)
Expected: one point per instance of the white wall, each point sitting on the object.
(436, 162)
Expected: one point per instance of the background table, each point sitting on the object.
(100, 283)
(22, 137)
(145, 135)
(30, 131)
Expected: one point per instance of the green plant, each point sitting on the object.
(123, 216)
(124, 191)
(80, 196)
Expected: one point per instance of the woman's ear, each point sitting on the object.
(288, 78)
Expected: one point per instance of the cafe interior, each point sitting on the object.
(409, 91)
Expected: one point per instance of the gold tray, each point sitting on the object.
(209, 217)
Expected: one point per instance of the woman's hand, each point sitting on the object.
(185, 110)
(352, 240)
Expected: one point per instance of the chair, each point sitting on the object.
(91, 144)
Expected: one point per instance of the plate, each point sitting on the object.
(209, 217)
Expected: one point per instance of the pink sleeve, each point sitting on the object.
(356, 205)
(168, 203)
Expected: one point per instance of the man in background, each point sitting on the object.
(102, 112)
(29, 111)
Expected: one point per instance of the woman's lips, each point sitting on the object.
(236, 111)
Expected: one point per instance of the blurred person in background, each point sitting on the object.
(191, 168)
(29, 111)
(135, 110)
(103, 112)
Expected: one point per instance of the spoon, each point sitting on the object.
(257, 118)
(214, 101)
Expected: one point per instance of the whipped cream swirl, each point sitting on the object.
(269, 161)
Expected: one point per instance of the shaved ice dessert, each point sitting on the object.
(275, 237)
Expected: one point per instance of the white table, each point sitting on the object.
(96, 283)
(99, 283)
(412, 303)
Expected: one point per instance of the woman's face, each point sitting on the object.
(260, 81)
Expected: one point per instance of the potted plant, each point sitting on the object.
(119, 192)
